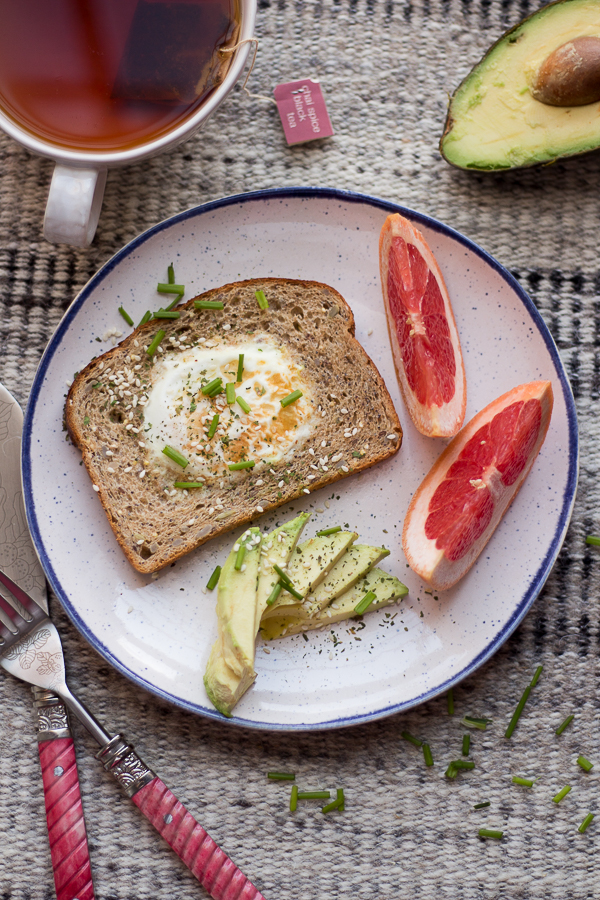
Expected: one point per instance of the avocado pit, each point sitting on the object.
(570, 75)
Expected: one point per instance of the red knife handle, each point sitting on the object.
(211, 866)
(64, 812)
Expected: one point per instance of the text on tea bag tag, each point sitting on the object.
(303, 111)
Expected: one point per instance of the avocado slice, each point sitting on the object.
(387, 589)
(276, 549)
(236, 604)
(495, 122)
(223, 686)
(310, 563)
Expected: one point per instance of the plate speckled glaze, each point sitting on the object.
(159, 632)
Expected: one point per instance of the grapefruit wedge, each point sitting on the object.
(460, 502)
(423, 333)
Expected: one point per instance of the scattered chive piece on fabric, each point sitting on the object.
(536, 676)
(291, 398)
(585, 764)
(274, 594)
(450, 698)
(167, 314)
(411, 738)
(214, 424)
(261, 299)
(451, 771)
(176, 456)
(427, 756)
(472, 722)
(145, 318)
(245, 464)
(517, 713)
(239, 559)
(126, 316)
(325, 531)
(587, 821)
(211, 385)
(482, 805)
(466, 744)
(562, 793)
(525, 782)
(185, 485)
(365, 603)
(491, 833)
(294, 798)
(564, 724)
(170, 289)
(171, 274)
(341, 799)
(335, 804)
(593, 540)
(314, 795)
(155, 342)
(230, 391)
(242, 403)
(240, 368)
(214, 579)
(281, 776)
(462, 764)
(209, 304)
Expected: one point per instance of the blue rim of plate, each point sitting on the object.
(387, 207)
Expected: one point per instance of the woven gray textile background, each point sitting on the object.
(386, 67)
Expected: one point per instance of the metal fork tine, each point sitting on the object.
(19, 593)
(16, 605)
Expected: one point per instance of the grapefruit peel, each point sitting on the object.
(422, 329)
(460, 502)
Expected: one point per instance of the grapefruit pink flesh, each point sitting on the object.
(423, 333)
(461, 501)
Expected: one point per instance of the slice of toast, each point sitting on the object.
(304, 341)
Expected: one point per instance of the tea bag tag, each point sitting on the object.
(303, 111)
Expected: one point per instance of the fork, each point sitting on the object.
(30, 649)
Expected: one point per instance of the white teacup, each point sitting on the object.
(79, 178)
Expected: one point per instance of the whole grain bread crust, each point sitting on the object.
(355, 418)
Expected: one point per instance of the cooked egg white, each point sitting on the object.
(179, 415)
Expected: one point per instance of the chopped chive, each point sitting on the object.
(242, 403)
(145, 318)
(536, 676)
(365, 603)
(562, 793)
(186, 485)
(230, 391)
(173, 302)
(155, 342)
(593, 540)
(209, 304)
(587, 821)
(277, 589)
(294, 798)
(585, 764)
(214, 424)
(285, 578)
(314, 795)
(291, 398)
(341, 799)
(525, 782)
(427, 755)
(325, 531)
(450, 699)
(166, 314)
(564, 724)
(281, 776)
(211, 385)
(466, 744)
(451, 771)
(239, 559)
(171, 274)
(240, 368)
(335, 804)
(176, 456)
(126, 316)
(170, 288)
(411, 738)
(261, 299)
(287, 584)
(482, 805)
(490, 833)
(214, 579)
(462, 764)
(245, 464)
(517, 713)
(215, 392)
(472, 722)
(292, 590)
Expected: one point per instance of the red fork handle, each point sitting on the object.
(64, 815)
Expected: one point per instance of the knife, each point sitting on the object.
(64, 812)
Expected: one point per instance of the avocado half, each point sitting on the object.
(493, 120)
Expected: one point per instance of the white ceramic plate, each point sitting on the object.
(159, 632)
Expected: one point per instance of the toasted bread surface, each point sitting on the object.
(351, 418)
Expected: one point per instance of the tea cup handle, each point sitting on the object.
(74, 203)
